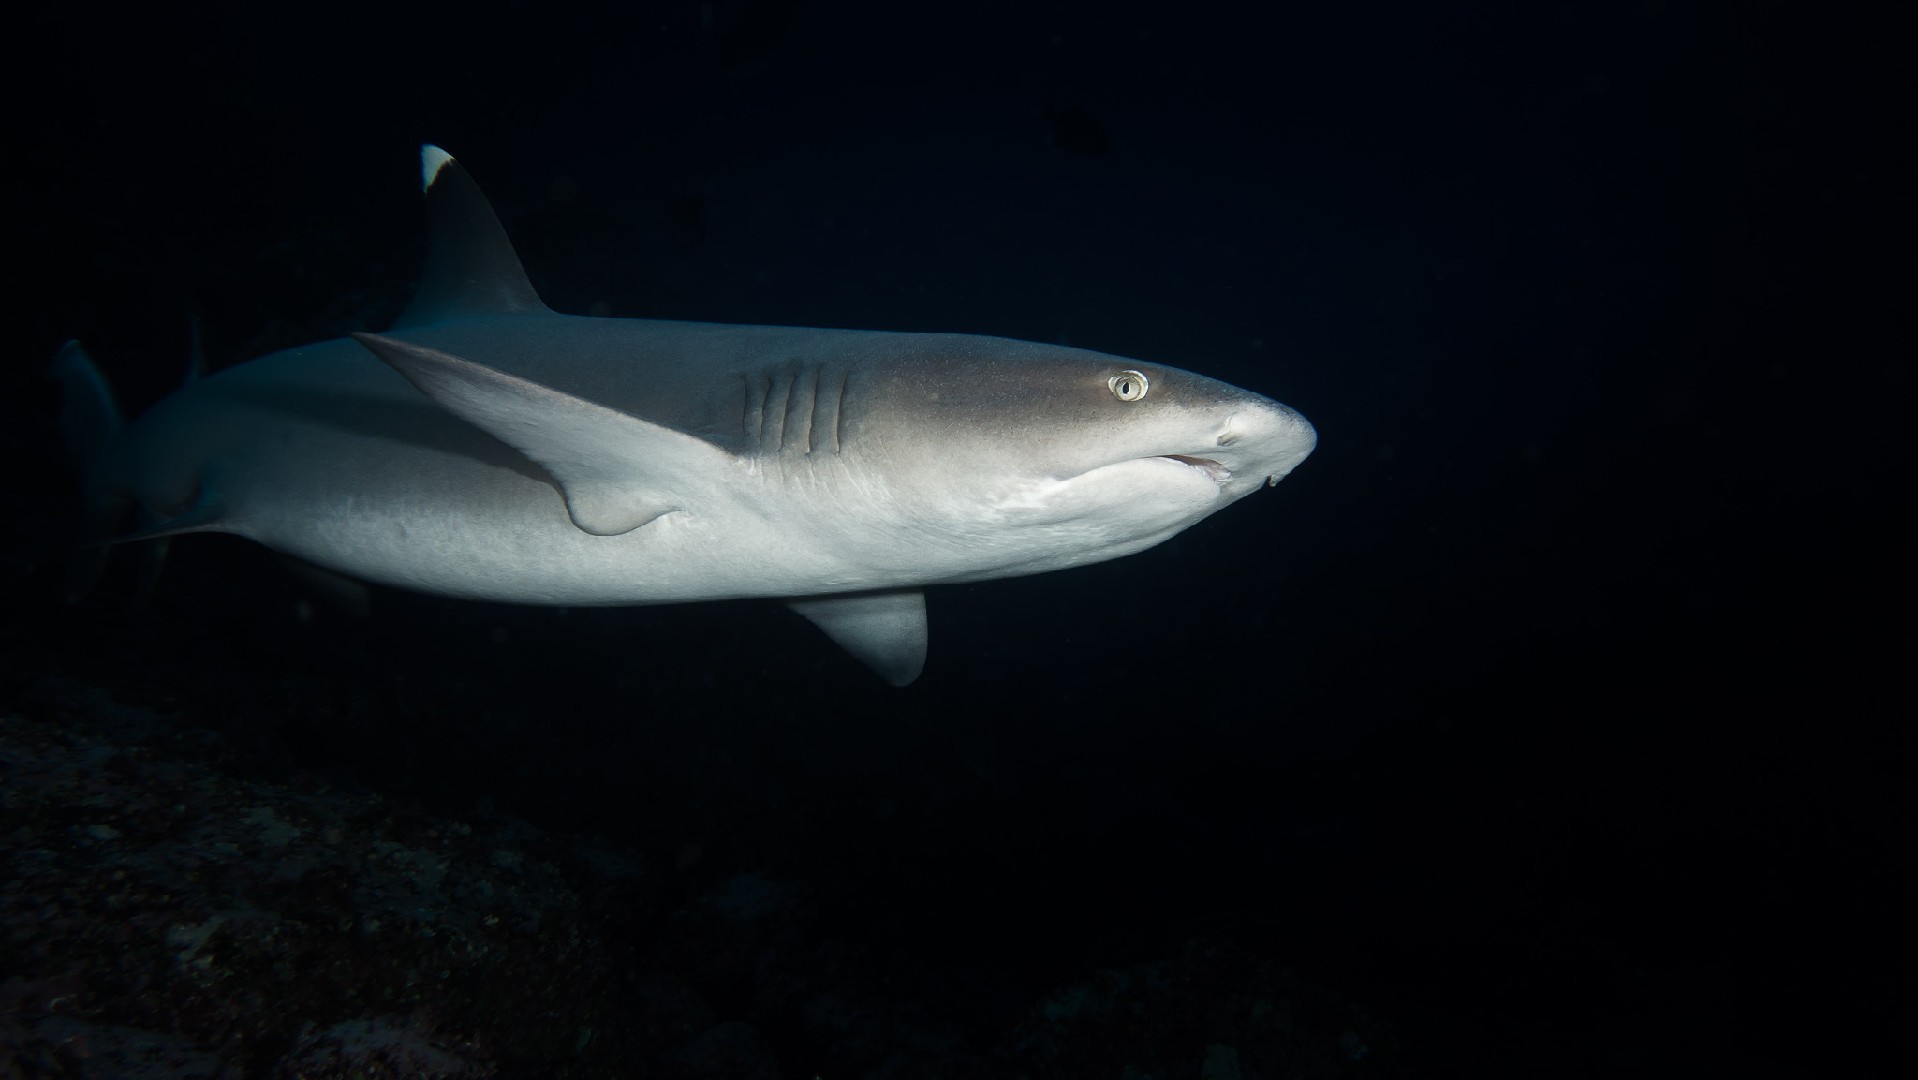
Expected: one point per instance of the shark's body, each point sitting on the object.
(489, 448)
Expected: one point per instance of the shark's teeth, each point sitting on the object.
(1219, 473)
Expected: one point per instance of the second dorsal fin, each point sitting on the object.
(471, 268)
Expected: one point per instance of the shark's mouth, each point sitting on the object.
(1217, 472)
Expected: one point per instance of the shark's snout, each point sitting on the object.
(1264, 439)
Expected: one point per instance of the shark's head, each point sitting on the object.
(1036, 457)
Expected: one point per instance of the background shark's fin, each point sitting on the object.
(471, 268)
(886, 631)
(617, 472)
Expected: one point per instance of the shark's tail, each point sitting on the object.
(89, 417)
(89, 421)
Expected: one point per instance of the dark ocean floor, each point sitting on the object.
(239, 845)
(173, 911)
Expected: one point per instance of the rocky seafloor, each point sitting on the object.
(170, 910)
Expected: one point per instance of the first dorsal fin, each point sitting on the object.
(471, 268)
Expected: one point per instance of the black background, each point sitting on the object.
(1553, 707)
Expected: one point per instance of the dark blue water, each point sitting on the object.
(1545, 722)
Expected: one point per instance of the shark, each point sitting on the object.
(487, 447)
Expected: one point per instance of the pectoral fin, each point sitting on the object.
(617, 472)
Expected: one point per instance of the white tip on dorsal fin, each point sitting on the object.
(432, 159)
(471, 268)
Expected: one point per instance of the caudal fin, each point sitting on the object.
(89, 417)
(89, 420)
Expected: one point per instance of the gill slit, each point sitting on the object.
(752, 410)
(776, 404)
(839, 412)
(799, 407)
(775, 435)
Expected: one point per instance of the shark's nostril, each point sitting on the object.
(1229, 434)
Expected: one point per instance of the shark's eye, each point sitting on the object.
(1129, 385)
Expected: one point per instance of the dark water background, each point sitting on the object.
(1553, 710)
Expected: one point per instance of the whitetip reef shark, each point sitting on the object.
(487, 447)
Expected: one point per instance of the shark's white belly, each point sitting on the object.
(517, 544)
